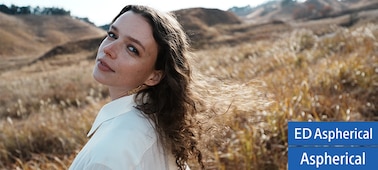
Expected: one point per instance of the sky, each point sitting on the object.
(101, 12)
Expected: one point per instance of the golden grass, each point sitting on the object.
(46, 111)
(252, 91)
(304, 77)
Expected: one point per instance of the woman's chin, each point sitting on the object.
(100, 79)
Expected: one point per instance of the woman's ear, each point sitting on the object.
(154, 78)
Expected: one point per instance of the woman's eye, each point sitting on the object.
(112, 35)
(133, 49)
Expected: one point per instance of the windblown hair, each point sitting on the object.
(170, 104)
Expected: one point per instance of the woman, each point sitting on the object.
(149, 122)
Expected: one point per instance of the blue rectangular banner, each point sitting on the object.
(332, 158)
(332, 133)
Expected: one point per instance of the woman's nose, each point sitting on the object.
(111, 49)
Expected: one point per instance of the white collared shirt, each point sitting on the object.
(123, 139)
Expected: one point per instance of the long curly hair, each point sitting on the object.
(170, 104)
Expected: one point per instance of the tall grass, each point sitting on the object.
(306, 77)
(46, 113)
(252, 90)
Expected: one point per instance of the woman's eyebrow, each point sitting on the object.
(112, 27)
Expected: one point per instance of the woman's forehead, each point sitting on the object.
(134, 25)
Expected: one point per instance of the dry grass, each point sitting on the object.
(45, 112)
(252, 89)
(300, 77)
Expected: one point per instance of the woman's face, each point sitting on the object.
(127, 56)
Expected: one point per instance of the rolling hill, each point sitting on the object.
(30, 38)
(310, 9)
(26, 37)
(201, 24)
(55, 41)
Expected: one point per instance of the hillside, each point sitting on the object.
(49, 37)
(68, 52)
(201, 23)
(212, 28)
(310, 9)
(25, 37)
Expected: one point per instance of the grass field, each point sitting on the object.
(252, 90)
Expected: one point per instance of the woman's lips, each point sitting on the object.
(103, 66)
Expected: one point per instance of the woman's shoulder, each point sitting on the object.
(131, 127)
(126, 137)
(134, 122)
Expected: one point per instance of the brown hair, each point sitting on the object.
(170, 104)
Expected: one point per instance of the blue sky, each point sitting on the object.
(102, 11)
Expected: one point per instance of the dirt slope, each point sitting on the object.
(310, 9)
(203, 23)
(32, 35)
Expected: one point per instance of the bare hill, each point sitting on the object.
(195, 17)
(32, 35)
(310, 9)
(71, 52)
(58, 39)
(205, 27)
(203, 23)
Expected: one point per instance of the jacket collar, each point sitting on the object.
(112, 110)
